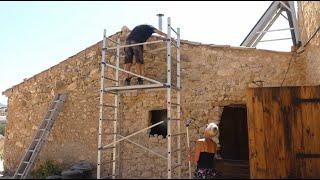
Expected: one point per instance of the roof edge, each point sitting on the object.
(7, 91)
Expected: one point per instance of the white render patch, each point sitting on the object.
(3, 119)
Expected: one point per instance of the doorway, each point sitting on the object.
(233, 139)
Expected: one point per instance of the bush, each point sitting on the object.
(1, 154)
(2, 129)
(49, 168)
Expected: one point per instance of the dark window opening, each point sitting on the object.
(234, 133)
(158, 116)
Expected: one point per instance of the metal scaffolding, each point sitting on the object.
(266, 21)
(117, 88)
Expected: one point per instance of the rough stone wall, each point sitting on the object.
(212, 77)
(309, 21)
(74, 130)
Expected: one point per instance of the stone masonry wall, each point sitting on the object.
(212, 77)
(74, 130)
(309, 21)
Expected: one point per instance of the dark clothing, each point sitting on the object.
(206, 160)
(205, 173)
(137, 51)
(141, 33)
(205, 166)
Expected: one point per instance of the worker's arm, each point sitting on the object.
(162, 33)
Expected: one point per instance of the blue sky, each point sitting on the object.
(37, 35)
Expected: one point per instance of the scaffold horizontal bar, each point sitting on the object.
(175, 119)
(111, 147)
(133, 134)
(175, 104)
(108, 105)
(138, 44)
(108, 119)
(136, 87)
(108, 177)
(110, 79)
(259, 32)
(112, 40)
(110, 92)
(182, 149)
(178, 134)
(275, 39)
(128, 72)
(145, 148)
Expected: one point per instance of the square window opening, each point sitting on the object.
(158, 116)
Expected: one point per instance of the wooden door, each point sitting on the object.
(284, 132)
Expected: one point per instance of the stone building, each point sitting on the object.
(3, 110)
(3, 114)
(214, 82)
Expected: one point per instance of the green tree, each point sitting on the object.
(2, 129)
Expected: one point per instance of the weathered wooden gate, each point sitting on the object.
(284, 132)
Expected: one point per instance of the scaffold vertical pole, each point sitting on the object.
(102, 65)
(173, 115)
(178, 101)
(116, 105)
(169, 96)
